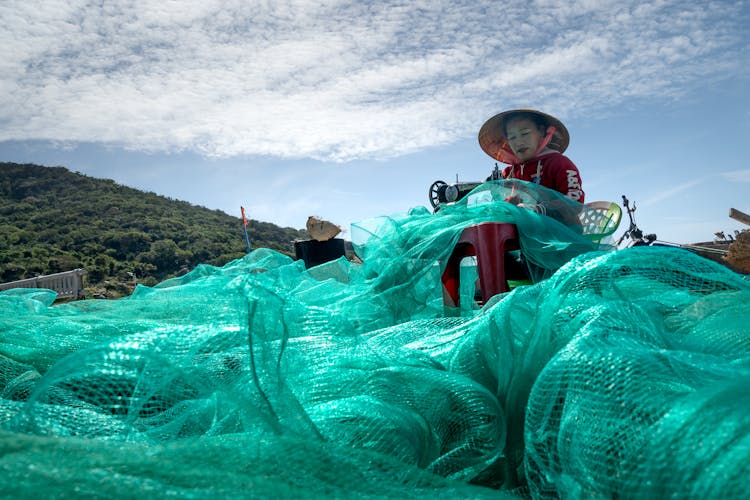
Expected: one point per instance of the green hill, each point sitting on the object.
(53, 220)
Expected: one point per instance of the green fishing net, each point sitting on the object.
(617, 374)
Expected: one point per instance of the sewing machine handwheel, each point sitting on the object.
(434, 193)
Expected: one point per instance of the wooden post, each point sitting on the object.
(737, 215)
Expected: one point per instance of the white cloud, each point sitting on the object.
(673, 191)
(338, 80)
(737, 175)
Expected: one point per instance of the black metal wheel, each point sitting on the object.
(433, 193)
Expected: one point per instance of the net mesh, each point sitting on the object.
(622, 374)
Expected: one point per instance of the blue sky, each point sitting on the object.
(350, 110)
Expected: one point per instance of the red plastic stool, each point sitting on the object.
(487, 241)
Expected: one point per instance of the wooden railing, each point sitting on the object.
(67, 285)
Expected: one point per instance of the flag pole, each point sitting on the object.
(244, 229)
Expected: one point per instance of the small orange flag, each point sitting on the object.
(244, 220)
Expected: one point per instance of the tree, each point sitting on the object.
(166, 256)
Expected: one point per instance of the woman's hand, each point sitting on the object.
(538, 208)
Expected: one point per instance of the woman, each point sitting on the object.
(532, 143)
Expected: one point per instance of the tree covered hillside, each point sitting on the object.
(53, 220)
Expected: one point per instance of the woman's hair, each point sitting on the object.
(536, 119)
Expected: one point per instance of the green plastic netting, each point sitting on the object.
(622, 374)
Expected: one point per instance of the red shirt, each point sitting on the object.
(551, 170)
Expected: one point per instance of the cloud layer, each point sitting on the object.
(339, 80)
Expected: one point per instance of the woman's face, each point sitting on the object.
(524, 137)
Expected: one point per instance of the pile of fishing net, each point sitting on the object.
(622, 374)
